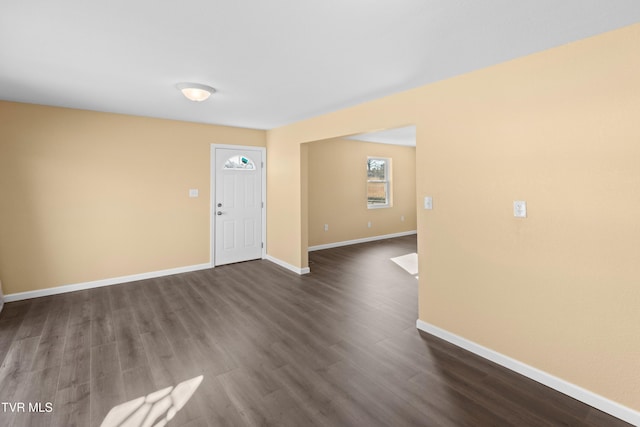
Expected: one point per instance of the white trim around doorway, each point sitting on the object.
(212, 196)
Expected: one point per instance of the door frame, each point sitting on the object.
(212, 197)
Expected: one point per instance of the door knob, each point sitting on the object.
(219, 205)
(218, 213)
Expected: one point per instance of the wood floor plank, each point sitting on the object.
(104, 360)
(155, 298)
(166, 370)
(215, 405)
(13, 383)
(79, 307)
(72, 407)
(170, 291)
(367, 358)
(34, 321)
(102, 330)
(76, 358)
(364, 393)
(52, 340)
(189, 356)
(39, 392)
(20, 355)
(200, 422)
(119, 297)
(130, 348)
(8, 330)
(336, 347)
(100, 304)
(106, 392)
(452, 408)
(173, 328)
(463, 382)
(138, 382)
(247, 400)
(316, 396)
(76, 373)
(218, 358)
(314, 356)
(15, 310)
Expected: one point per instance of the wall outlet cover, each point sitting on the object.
(520, 209)
(428, 202)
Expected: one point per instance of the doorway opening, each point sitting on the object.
(341, 181)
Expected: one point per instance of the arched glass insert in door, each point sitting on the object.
(239, 162)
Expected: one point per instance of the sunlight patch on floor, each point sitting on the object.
(154, 409)
(408, 262)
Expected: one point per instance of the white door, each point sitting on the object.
(238, 205)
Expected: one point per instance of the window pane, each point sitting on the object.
(377, 193)
(239, 162)
(376, 169)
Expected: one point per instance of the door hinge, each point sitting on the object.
(261, 164)
(262, 245)
(262, 204)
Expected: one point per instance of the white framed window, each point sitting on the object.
(378, 182)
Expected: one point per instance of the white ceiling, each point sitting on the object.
(272, 62)
(397, 136)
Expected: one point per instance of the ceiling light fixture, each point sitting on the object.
(195, 91)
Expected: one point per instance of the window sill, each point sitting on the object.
(378, 206)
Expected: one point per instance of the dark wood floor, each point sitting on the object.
(337, 347)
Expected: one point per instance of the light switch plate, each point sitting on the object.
(428, 202)
(520, 209)
(193, 192)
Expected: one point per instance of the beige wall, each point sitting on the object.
(285, 207)
(88, 196)
(337, 191)
(558, 290)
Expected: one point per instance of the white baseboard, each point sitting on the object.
(103, 282)
(592, 399)
(363, 240)
(288, 266)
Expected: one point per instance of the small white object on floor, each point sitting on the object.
(409, 262)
